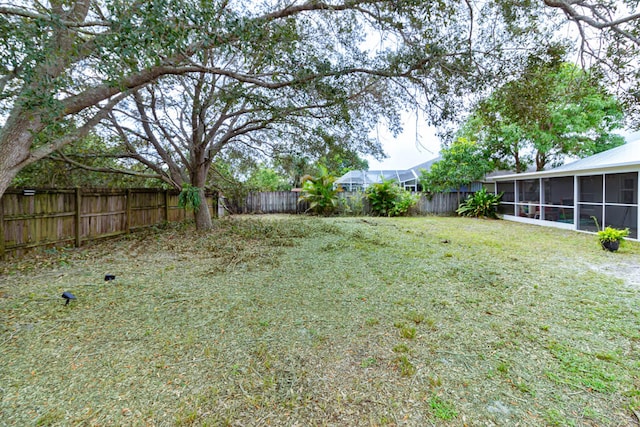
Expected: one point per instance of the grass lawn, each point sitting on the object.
(313, 321)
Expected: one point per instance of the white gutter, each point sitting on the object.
(621, 167)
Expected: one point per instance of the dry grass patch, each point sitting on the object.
(314, 321)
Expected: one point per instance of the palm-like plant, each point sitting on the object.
(320, 193)
(480, 205)
(382, 196)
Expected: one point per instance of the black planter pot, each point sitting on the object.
(611, 245)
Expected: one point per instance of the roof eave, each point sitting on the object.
(626, 166)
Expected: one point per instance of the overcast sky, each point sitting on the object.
(408, 149)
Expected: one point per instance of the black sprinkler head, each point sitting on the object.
(108, 277)
(68, 296)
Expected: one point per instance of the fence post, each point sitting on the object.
(2, 228)
(78, 225)
(220, 204)
(127, 219)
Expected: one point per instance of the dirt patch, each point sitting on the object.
(627, 270)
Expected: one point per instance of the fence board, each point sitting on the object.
(267, 202)
(2, 236)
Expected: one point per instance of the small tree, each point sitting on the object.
(320, 193)
(264, 178)
(462, 163)
(552, 110)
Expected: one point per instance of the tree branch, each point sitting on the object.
(601, 23)
(23, 13)
(81, 132)
(64, 158)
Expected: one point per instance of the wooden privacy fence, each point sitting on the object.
(352, 203)
(32, 218)
(267, 202)
(439, 204)
(42, 217)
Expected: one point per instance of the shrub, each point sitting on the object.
(381, 196)
(387, 199)
(352, 204)
(480, 205)
(404, 201)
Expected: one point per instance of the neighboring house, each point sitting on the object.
(408, 179)
(603, 186)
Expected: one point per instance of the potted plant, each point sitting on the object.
(610, 238)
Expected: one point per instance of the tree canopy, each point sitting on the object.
(264, 76)
(69, 63)
(78, 165)
(552, 110)
(177, 126)
(609, 42)
(462, 163)
(265, 178)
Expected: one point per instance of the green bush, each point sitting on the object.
(480, 205)
(388, 199)
(404, 201)
(352, 204)
(381, 196)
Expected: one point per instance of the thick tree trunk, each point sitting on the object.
(199, 179)
(15, 140)
(8, 171)
(203, 215)
(6, 176)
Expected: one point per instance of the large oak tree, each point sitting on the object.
(66, 64)
(179, 126)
